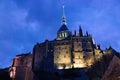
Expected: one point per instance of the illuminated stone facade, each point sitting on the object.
(66, 51)
(74, 51)
(21, 68)
(62, 54)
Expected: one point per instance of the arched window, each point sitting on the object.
(60, 35)
(63, 35)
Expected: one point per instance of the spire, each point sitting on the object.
(63, 12)
(75, 32)
(63, 17)
(64, 26)
(80, 31)
(87, 33)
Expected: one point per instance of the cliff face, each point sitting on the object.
(113, 71)
(97, 71)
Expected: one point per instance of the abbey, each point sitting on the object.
(67, 50)
(69, 55)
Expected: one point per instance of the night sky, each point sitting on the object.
(23, 23)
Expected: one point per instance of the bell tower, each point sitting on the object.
(63, 32)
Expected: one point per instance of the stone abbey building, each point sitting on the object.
(67, 51)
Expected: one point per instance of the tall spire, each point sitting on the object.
(80, 31)
(63, 17)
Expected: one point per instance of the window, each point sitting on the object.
(65, 47)
(64, 56)
(65, 34)
(60, 35)
(79, 44)
(67, 52)
(84, 57)
(59, 48)
(51, 50)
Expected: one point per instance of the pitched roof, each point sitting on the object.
(63, 28)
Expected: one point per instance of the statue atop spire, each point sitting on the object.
(63, 12)
(63, 17)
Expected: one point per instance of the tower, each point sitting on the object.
(62, 47)
(63, 32)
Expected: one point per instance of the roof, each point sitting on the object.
(63, 28)
(23, 54)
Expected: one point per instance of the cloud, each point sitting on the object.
(15, 31)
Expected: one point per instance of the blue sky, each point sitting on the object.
(23, 23)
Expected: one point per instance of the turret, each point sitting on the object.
(80, 31)
(87, 33)
(75, 33)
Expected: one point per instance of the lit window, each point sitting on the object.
(63, 35)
